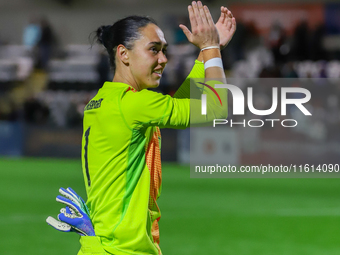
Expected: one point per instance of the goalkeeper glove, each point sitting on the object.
(73, 218)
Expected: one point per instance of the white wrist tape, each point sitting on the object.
(210, 47)
(213, 62)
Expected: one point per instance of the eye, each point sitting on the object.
(164, 51)
(154, 50)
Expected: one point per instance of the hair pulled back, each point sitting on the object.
(125, 31)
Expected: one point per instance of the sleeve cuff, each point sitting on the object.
(199, 69)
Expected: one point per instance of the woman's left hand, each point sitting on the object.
(226, 27)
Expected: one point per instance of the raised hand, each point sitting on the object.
(203, 30)
(226, 27)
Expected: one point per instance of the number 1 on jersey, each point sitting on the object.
(87, 133)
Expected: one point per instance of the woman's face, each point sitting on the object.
(147, 59)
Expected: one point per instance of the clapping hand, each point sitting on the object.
(226, 27)
(203, 30)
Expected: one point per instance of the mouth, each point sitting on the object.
(158, 72)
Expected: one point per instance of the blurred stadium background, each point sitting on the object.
(49, 71)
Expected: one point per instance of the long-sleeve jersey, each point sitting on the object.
(121, 162)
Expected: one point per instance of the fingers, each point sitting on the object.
(233, 24)
(70, 196)
(192, 17)
(229, 14)
(186, 31)
(197, 14)
(225, 14)
(82, 225)
(68, 210)
(202, 13)
(208, 15)
(228, 23)
(222, 16)
(69, 203)
(73, 193)
(72, 222)
(80, 200)
(227, 19)
(67, 218)
(61, 226)
(203, 30)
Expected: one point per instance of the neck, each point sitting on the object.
(126, 78)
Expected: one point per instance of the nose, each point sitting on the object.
(162, 59)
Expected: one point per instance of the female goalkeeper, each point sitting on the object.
(121, 140)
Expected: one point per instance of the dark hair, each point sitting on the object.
(124, 31)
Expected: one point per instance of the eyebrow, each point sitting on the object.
(159, 43)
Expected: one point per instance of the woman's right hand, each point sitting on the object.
(204, 32)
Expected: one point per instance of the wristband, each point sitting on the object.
(210, 47)
(213, 62)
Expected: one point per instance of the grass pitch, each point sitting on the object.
(199, 216)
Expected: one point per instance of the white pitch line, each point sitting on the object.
(280, 212)
(21, 218)
(309, 212)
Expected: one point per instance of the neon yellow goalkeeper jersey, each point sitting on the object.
(122, 165)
